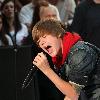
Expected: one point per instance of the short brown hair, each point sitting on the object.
(48, 26)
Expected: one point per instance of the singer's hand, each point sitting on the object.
(41, 62)
(66, 98)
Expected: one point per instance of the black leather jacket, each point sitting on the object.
(82, 69)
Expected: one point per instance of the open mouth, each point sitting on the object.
(48, 48)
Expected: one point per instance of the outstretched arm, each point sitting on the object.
(42, 63)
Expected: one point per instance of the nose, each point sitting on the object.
(10, 8)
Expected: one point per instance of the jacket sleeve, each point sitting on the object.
(81, 62)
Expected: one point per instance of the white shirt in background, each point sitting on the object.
(26, 14)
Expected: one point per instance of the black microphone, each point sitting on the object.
(29, 77)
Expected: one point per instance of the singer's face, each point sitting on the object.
(50, 44)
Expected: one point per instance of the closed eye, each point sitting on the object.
(41, 38)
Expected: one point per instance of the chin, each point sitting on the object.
(52, 55)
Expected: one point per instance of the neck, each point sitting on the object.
(10, 21)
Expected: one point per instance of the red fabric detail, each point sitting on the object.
(69, 40)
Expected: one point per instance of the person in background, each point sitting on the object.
(66, 9)
(11, 24)
(49, 12)
(18, 5)
(44, 10)
(86, 21)
(5, 39)
(0, 5)
(26, 13)
(36, 14)
(76, 63)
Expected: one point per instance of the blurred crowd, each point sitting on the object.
(18, 17)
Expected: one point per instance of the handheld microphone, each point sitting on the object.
(29, 77)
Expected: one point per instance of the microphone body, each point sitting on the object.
(29, 76)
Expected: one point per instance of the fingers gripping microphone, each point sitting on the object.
(29, 77)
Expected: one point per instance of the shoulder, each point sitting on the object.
(28, 6)
(26, 9)
(80, 62)
(7, 36)
(81, 51)
(24, 30)
(9, 39)
(26, 13)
